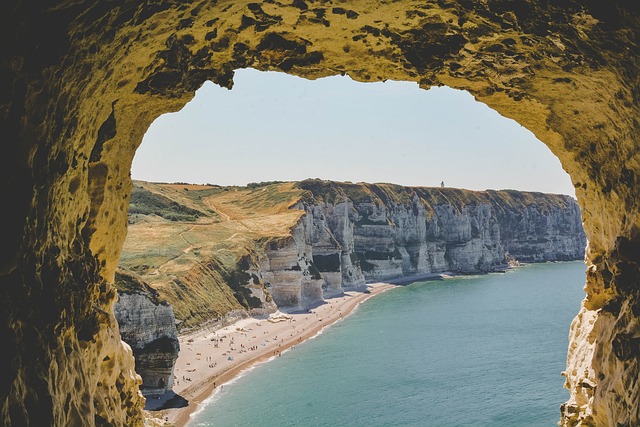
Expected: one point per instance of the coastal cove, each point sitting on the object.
(465, 351)
(207, 360)
(226, 262)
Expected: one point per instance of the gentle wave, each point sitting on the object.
(493, 345)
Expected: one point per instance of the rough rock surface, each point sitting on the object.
(148, 325)
(81, 82)
(354, 233)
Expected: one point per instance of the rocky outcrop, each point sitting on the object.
(82, 81)
(287, 271)
(356, 233)
(148, 325)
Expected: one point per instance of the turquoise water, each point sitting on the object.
(470, 351)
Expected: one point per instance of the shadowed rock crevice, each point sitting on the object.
(565, 69)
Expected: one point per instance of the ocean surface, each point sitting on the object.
(467, 351)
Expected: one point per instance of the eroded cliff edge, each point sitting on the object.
(328, 237)
(351, 234)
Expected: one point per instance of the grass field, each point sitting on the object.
(186, 240)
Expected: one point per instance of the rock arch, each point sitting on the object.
(82, 81)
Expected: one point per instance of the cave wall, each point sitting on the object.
(81, 81)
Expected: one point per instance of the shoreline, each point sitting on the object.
(210, 359)
(188, 395)
(221, 367)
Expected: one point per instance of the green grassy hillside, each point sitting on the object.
(191, 242)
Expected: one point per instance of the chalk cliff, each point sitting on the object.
(148, 325)
(357, 233)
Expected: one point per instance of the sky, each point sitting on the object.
(272, 126)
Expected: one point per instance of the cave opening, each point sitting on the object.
(272, 127)
(82, 83)
(276, 127)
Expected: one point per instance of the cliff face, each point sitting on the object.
(354, 233)
(148, 325)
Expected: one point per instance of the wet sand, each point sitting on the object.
(208, 359)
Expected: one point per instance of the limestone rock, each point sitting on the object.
(352, 233)
(148, 325)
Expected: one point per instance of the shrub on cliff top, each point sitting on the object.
(147, 203)
(128, 283)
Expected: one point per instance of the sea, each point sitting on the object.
(485, 351)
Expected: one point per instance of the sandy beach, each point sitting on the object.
(208, 359)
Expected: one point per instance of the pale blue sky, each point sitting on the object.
(272, 126)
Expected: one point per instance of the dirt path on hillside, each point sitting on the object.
(222, 213)
(181, 234)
